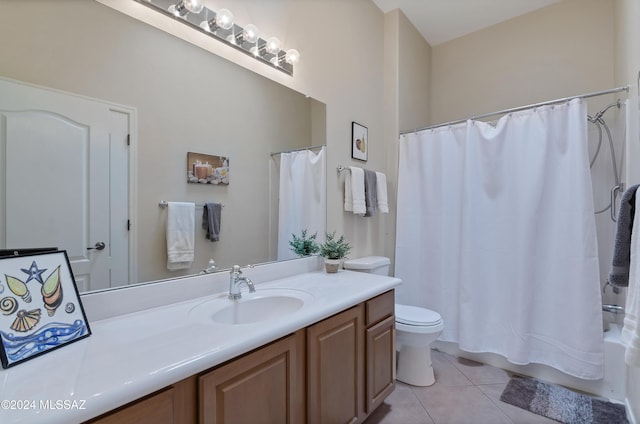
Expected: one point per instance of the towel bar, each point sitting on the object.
(163, 204)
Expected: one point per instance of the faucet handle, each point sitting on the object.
(238, 268)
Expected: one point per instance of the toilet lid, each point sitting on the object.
(414, 315)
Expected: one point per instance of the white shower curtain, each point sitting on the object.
(496, 232)
(302, 199)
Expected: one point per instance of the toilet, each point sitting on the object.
(416, 329)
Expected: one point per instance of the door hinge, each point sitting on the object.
(128, 139)
(128, 225)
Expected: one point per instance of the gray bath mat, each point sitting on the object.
(561, 404)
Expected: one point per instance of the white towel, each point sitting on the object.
(383, 205)
(357, 190)
(348, 196)
(180, 235)
(631, 330)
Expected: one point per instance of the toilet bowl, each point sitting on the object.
(416, 329)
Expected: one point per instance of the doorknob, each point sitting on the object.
(99, 246)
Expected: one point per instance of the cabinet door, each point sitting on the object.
(265, 386)
(174, 405)
(380, 362)
(335, 368)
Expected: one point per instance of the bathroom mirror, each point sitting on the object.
(185, 100)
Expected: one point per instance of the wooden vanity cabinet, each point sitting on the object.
(172, 405)
(381, 349)
(335, 371)
(351, 362)
(335, 368)
(264, 386)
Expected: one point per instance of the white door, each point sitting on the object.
(58, 152)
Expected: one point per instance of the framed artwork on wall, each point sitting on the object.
(359, 141)
(207, 169)
(41, 309)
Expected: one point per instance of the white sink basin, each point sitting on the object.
(262, 305)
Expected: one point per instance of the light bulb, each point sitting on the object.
(292, 56)
(224, 18)
(193, 6)
(185, 6)
(273, 45)
(250, 33)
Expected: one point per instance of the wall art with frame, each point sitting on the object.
(40, 305)
(359, 141)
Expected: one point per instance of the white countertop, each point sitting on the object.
(131, 355)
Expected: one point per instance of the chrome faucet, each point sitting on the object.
(210, 268)
(234, 283)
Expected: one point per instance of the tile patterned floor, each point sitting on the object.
(465, 392)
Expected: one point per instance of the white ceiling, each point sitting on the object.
(442, 20)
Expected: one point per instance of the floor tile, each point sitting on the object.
(401, 407)
(479, 373)
(460, 405)
(465, 392)
(446, 373)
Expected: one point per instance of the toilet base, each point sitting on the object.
(414, 366)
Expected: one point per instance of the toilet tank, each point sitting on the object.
(371, 264)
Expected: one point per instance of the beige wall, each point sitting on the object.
(562, 50)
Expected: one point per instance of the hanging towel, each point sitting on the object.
(180, 235)
(211, 217)
(348, 195)
(619, 275)
(381, 186)
(631, 330)
(357, 190)
(370, 192)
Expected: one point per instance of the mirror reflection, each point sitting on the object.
(167, 98)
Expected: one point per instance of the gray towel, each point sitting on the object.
(619, 275)
(370, 192)
(211, 216)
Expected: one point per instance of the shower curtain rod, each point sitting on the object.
(320, 146)
(516, 109)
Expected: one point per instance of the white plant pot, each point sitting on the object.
(332, 265)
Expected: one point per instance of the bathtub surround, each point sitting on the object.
(561, 404)
(619, 275)
(504, 215)
(631, 330)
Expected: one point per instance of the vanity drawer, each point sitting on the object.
(379, 308)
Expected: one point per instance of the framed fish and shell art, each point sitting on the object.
(40, 308)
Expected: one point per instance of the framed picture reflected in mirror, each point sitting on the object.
(359, 141)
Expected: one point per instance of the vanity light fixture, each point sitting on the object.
(185, 6)
(222, 19)
(220, 25)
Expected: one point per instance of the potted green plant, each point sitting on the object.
(334, 251)
(304, 245)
